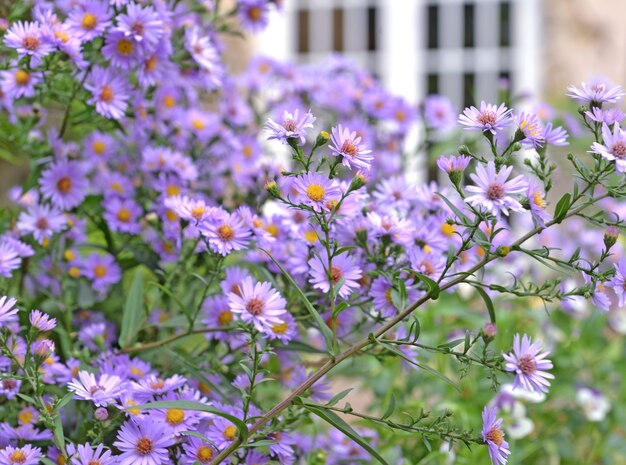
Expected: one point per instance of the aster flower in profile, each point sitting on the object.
(143, 441)
(317, 191)
(529, 364)
(201, 48)
(613, 147)
(292, 127)
(609, 116)
(102, 391)
(110, 92)
(343, 268)
(618, 282)
(554, 136)
(26, 455)
(529, 126)
(64, 183)
(492, 191)
(596, 93)
(9, 259)
(8, 311)
(42, 221)
(346, 144)
(489, 118)
(89, 19)
(537, 202)
(257, 303)
(494, 436)
(87, 455)
(42, 321)
(453, 163)
(27, 38)
(225, 233)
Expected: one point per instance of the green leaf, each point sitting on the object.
(433, 287)
(456, 211)
(260, 443)
(196, 407)
(59, 437)
(63, 401)
(133, 311)
(323, 327)
(562, 208)
(390, 408)
(488, 302)
(439, 375)
(332, 418)
(337, 397)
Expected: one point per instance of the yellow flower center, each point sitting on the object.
(247, 151)
(225, 317)
(62, 36)
(124, 47)
(172, 190)
(310, 236)
(64, 185)
(539, 200)
(496, 436)
(99, 147)
(74, 272)
(89, 21)
(230, 433)
(448, 229)
(17, 457)
(198, 124)
(175, 416)
(100, 271)
(124, 215)
(151, 63)
(272, 229)
(315, 192)
(280, 328)
(106, 94)
(69, 255)
(204, 454)
(25, 417)
(254, 13)
(225, 232)
(169, 101)
(22, 78)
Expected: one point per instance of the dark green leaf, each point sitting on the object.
(488, 302)
(338, 397)
(433, 287)
(439, 375)
(133, 311)
(562, 207)
(390, 408)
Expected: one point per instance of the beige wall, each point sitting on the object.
(583, 39)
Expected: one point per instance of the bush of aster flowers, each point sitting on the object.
(205, 268)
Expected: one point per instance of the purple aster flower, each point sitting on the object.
(42, 321)
(201, 48)
(537, 202)
(529, 125)
(8, 311)
(292, 127)
(222, 432)
(254, 14)
(494, 436)
(286, 330)
(87, 455)
(27, 38)
(64, 183)
(493, 192)
(27, 455)
(122, 215)
(490, 118)
(453, 164)
(16, 83)
(101, 391)
(42, 221)
(609, 116)
(618, 282)
(178, 420)
(9, 259)
(120, 50)
(89, 19)
(529, 365)
(225, 233)
(343, 268)
(317, 191)
(382, 291)
(596, 93)
(197, 450)
(143, 441)
(110, 92)
(102, 270)
(554, 136)
(439, 113)
(143, 25)
(152, 386)
(257, 303)
(613, 147)
(346, 144)
(427, 263)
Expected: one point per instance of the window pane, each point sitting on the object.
(338, 30)
(303, 31)
(505, 24)
(432, 84)
(371, 28)
(468, 25)
(432, 26)
(468, 89)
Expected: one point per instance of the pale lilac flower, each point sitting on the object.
(89, 19)
(594, 403)
(453, 163)
(42, 221)
(110, 92)
(197, 450)
(609, 116)
(143, 442)
(254, 14)
(618, 282)
(529, 364)
(492, 190)
(489, 117)
(8, 311)
(439, 113)
(64, 183)
(613, 147)
(343, 269)
(42, 321)
(226, 233)
(102, 270)
(26, 455)
(201, 48)
(27, 38)
(16, 83)
(9, 259)
(530, 126)
(120, 50)
(596, 93)
(86, 455)
(292, 127)
(141, 24)
(554, 136)
(257, 303)
(122, 215)
(101, 391)
(429, 264)
(346, 144)
(494, 437)
(317, 191)
(537, 202)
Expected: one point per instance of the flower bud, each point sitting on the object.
(610, 237)
(490, 330)
(357, 182)
(272, 188)
(503, 250)
(101, 413)
(464, 150)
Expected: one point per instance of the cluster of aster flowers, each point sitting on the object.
(198, 245)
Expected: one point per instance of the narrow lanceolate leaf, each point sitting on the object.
(460, 215)
(133, 311)
(196, 407)
(562, 207)
(322, 326)
(390, 408)
(441, 376)
(332, 418)
(488, 302)
(433, 287)
(337, 397)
